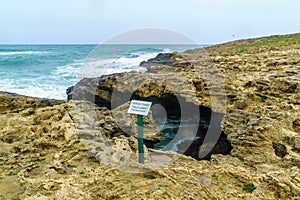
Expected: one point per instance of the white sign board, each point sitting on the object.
(139, 107)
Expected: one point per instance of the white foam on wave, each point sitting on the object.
(96, 68)
(34, 88)
(141, 56)
(9, 53)
(93, 68)
(67, 70)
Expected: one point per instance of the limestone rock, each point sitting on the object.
(60, 150)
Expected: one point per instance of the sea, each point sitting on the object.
(48, 70)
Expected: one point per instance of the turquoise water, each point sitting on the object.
(48, 70)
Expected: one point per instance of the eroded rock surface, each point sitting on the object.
(53, 151)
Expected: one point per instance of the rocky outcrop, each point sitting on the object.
(190, 76)
(11, 102)
(173, 81)
(74, 149)
(42, 157)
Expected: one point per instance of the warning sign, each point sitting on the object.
(139, 107)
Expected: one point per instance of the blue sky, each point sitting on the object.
(93, 21)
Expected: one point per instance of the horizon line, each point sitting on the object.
(100, 44)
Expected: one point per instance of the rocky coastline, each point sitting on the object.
(51, 149)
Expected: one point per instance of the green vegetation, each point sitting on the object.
(263, 98)
(263, 95)
(262, 92)
(22, 184)
(45, 146)
(249, 187)
(241, 159)
(215, 177)
(148, 194)
(276, 41)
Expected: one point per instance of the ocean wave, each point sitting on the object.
(10, 53)
(145, 51)
(124, 63)
(68, 70)
(34, 88)
(131, 61)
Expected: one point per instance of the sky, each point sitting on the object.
(95, 21)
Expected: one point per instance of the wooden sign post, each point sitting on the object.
(140, 108)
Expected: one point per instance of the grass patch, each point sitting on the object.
(242, 159)
(45, 147)
(22, 184)
(275, 41)
(263, 96)
(148, 194)
(249, 187)
(262, 92)
(215, 177)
